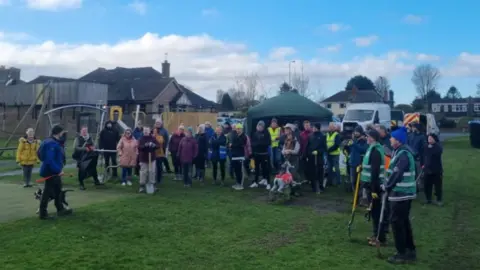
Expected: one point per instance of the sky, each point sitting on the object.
(213, 44)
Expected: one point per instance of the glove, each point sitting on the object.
(374, 195)
(315, 152)
(383, 187)
(359, 169)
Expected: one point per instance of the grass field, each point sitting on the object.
(211, 227)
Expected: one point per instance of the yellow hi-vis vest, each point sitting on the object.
(274, 135)
(331, 142)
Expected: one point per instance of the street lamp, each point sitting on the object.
(290, 72)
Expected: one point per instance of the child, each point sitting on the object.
(27, 155)
(433, 170)
(127, 150)
(147, 145)
(187, 151)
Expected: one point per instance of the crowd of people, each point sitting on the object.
(144, 151)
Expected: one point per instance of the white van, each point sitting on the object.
(365, 114)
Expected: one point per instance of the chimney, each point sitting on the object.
(166, 69)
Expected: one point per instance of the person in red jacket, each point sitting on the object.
(304, 135)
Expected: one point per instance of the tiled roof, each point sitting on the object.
(45, 79)
(194, 98)
(360, 96)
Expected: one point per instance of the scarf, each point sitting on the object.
(289, 142)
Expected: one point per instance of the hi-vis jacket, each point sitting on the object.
(274, 136)
(401, 183)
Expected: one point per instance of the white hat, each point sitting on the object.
(290, 126)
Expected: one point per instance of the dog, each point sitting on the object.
(63, 194)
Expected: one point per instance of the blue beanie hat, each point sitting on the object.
(400, 135)
(190, 129)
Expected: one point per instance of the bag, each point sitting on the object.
(222, 152)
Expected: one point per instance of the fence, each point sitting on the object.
(172, 120)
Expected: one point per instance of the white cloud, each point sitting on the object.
(5, 2)
(332, 48)
(54, 5)
(281, 52)
(210, 12)
(202, 62)
(427, 57)
(8, 36)
(413, 19)
(365, 41)
(336, 27)
(139, 7)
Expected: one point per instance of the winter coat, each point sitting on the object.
(161, 141)
(316, 142)
(144, 151)
(416, 142)
(202, 142)
(238, 145)
(433, 159)
(53, 156)
(261, 141)
(128, 150)
(80, 145)
(210, 132)
(175, 142)
(304, 141)
(187, 150)
(137, 133)
(27, 151)
(109, 137)
(357, 151)
(164, 133)
(215, 143)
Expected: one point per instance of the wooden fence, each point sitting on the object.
(172, 120)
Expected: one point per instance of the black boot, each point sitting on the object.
(44, 216)
(398, 259)
(64, 212)
(411, 255)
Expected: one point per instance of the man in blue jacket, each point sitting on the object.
(52, 155)
(358, 148)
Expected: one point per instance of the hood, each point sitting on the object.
(109, 122)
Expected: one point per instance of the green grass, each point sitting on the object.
(209, 227)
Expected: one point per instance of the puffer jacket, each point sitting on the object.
(160, 137)
(27, 151)
(127, 150)
(357, 150)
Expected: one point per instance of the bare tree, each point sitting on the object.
(238, 97)
(220, 93)
(301, 83)
(251, 86)
(425, 78)
(382, 85)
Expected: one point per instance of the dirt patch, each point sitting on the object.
(277, 240)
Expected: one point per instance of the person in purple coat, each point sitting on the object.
(186, 153)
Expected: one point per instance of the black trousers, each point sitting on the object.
(262, 162)
(376, 212)
(200, 167)
(315, 172)
(218, 163)
(51, 189)
(401, 226)
(111, 158)
(237, 166)
(177, 167)
(433, 181)
(303, 171)
(159, 167)
(91, 171)
(187, 173)
(167, 165)
(137, 167)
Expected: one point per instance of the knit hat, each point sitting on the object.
(261, 123)
(359, 129)
(274, 120)
(374, 134)
(400, 135)
(434, 136)
(190, 129)
(240, 126)
(317, 126)
(56, 130)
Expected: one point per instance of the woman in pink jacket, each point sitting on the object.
(127, 150)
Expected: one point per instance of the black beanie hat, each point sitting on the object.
(374, 134)
(318, 126)
(434, 136)
(57, 130)
(359, 129)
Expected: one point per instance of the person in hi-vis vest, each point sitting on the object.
(275, 156)
(401, 187)
(333, 157)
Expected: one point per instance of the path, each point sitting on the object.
(17, 202)
(35, 170)
(449, 135)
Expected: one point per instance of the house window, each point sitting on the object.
(329, 106)
(459, 108)
(436, 108)
(445, 108)
(343, 105)
(476, 107)
(143, 108)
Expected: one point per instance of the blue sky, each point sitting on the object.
(441, 30)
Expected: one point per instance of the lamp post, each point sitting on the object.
(290, 72)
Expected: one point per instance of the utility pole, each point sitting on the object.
(290, 72)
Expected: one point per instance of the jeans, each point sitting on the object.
(27, 174)
(334, 163)
(159, 166)
(275, 158)
(126, 174)
(186, 171)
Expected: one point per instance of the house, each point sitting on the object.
(10, 75)
(154, 91)
(339, 102)
(456, 108)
